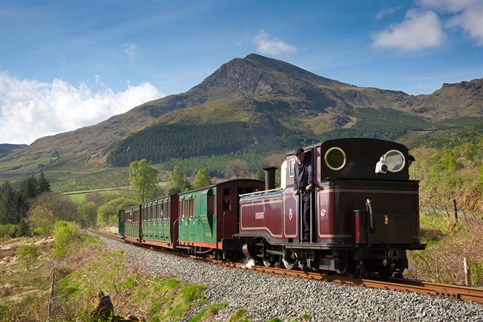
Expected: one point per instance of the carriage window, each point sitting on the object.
(192, 207)
(395, 160)
(335, 158)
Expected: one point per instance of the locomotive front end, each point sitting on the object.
(367, 204)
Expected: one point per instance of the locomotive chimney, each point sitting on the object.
(270, 177)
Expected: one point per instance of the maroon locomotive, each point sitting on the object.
(364, 212)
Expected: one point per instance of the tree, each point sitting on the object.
(30, 188)
(107, 213)
(88, 214)
(59, 205)
(178, 181)
(41, 220)
(202, 179)
(65, 233)
(236, 169)
(44, 185)
(28, 254)
(9, 205)
(144, 179)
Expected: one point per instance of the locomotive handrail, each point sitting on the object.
(371, 215)
(256, 193)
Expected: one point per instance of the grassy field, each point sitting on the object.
(26, 285)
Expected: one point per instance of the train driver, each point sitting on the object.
(303, 183)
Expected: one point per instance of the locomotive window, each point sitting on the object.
(335, 158)
(395, 160)
(291, 168)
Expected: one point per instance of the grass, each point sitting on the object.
(86, 271)
(448, 244)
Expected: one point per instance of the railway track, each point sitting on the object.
(456, 292)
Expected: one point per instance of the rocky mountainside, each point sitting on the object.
(266, 96)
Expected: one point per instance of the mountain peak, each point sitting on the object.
(257, 75)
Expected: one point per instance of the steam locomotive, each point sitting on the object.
(364, 214)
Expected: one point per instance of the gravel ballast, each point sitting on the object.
(269, 296)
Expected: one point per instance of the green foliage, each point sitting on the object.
(9, 231)
(13, 231)
(107, 213)
(163, 142)
(44, 185)
(30, 188)
(215, 164)
(65, 233)
(47, 208)
(28, 254)
(144, 180)
(10, 205)
(476, 269)
(88, 214)
(207, 313)
(240, 316)
(236, 169)
(201, 179)
(178, 181)
(41, 220)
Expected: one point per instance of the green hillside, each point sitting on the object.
(248, 105)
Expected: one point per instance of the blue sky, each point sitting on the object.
(66, 64)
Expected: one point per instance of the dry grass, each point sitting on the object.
(442, 261)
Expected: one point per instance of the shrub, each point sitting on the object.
(107, 213)
(64, 234)
(28, 254)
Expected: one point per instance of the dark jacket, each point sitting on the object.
(303, 174)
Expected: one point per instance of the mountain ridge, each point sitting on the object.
(270, 96)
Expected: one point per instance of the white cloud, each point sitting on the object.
(131, 51)
(424, 26)
(386, 11)
(419, 30)
(32, 109)
(272, 46)
(465, 14)
(471, 21)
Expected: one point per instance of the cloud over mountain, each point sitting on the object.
(31, 109)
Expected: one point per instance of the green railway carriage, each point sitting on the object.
(210, 214)
(129, 223)
(159, 222)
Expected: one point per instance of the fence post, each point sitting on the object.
(467, 272)
(51, 295)
(455, 211)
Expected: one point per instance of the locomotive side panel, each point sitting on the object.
(332, 222)
(291, 216)
(261, 214)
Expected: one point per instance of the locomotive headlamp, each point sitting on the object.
(381, 166)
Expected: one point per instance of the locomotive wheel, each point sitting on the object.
(267, 261)
(289, 259)
(386, 272)
(357, 269)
